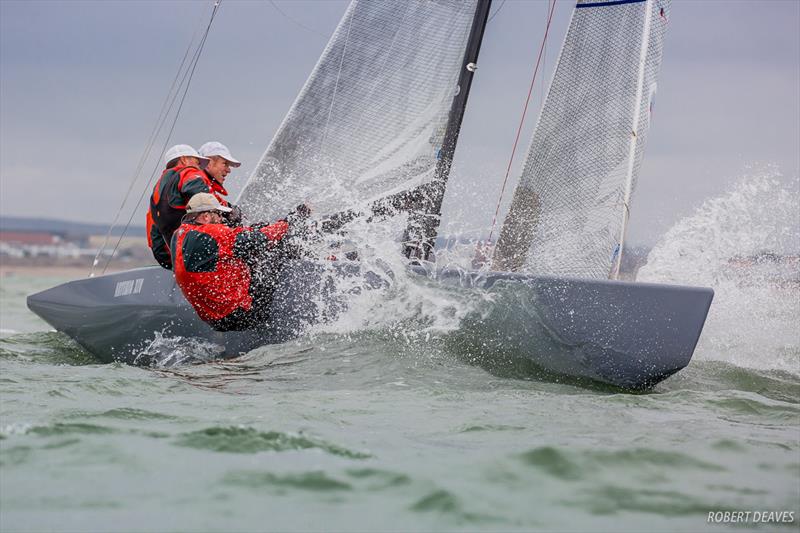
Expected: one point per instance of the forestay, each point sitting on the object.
(570, 209)
(371, 118)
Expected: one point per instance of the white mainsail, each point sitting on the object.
(371, 118)
(570, 208)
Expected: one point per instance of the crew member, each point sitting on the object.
(220, 162)
(228, 274)
(182, 178)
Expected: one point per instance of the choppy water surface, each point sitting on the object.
(385, 421)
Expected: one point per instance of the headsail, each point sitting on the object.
(371, 119)
(570, 209)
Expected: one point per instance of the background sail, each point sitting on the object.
(371, 118)
(568, 213)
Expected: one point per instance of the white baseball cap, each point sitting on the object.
(212, 148)
(204, 201)
(182, 150)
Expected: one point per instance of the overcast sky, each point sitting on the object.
(81, 85)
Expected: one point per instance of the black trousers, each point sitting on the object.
(265, 270)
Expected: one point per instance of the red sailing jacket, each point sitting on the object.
(210, 268)
(168, 202)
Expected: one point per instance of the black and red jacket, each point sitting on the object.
(211, 264)
(157, 243)
(172, 192)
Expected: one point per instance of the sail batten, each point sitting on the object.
(586, 152)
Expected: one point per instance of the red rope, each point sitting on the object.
(522, 120)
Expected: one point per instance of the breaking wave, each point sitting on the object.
(745, 244)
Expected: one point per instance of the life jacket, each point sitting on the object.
(213, 280)
(172, 192)
(210, 264)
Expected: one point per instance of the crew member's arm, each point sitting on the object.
(275, 231)
(157, 244)
(192, 183)
(253, 241)
(234, 218)
(159, 248)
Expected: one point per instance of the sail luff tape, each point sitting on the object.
(634, 137)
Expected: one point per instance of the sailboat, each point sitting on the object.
(377, 122)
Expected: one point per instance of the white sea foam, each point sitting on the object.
(743, 244)
(392, 297)
(17, 428)
(165, 351)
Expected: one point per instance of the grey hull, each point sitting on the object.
(630, 335)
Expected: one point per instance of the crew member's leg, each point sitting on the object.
(239, 320)
(265, 272)
(265, 276)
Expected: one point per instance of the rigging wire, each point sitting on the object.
(524, 112)
(162, 116)
(542, 83)
(295, 21)
(190, 73)
(493, 15)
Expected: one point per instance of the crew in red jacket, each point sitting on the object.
(182, 178)
(227, 274)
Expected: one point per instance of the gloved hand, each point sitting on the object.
(298, 219)
(302, 211)
(234, 218)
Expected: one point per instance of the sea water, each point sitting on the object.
(382, 420)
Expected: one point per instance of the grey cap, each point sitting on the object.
(204, 201)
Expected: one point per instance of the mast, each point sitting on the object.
(423, 226)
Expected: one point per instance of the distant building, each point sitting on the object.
(22, 238)
(53, 242)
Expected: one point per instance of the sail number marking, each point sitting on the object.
(131, 286)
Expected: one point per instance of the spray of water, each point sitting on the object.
(165, 351)
(744, 244)
(387, 296)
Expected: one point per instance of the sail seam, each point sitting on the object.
(338, 77)
(378, 77)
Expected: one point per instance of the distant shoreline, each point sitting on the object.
(60, 271)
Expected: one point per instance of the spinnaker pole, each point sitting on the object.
(424, 224)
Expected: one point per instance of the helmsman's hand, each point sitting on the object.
(303, 211)
(234, 218)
